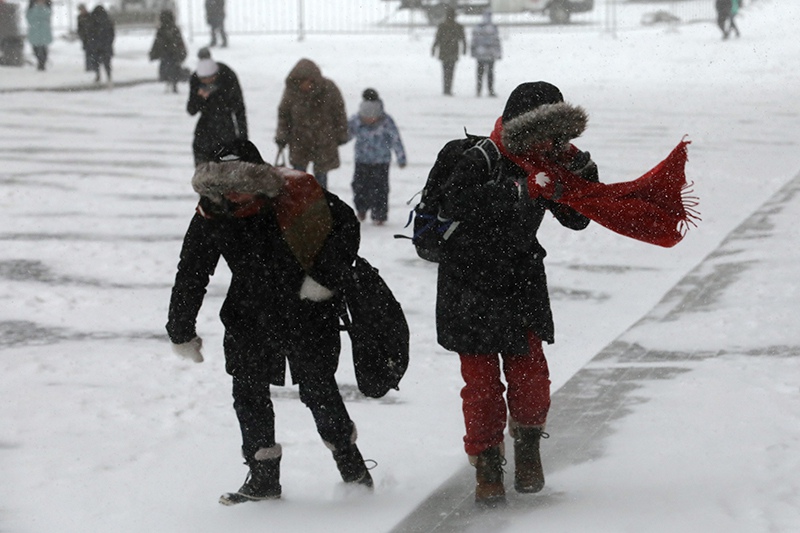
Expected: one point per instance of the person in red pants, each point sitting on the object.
(492, 305)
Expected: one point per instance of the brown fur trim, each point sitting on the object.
(214, 180)
(547, 122)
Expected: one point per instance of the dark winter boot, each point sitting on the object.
(263, 480)
(489, 489)
(528, 473)
(351, 465)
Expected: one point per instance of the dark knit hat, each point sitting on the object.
(529, 96)
(239, 150)
(370, 95)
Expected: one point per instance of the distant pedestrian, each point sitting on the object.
(215, 93)
(450, 39)
(312, 120)
(40, 32)
(84, 19)
(101, 42)
(170, 49)
(486, 49)
(726, 12)
(215, 16)
(376, 138)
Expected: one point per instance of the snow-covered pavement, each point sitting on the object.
(679, 365)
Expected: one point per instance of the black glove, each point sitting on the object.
(583, 166)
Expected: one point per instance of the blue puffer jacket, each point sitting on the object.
(375, 142)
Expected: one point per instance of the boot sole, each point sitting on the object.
(235, 498)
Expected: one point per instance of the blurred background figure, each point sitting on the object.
(449, 35)
(486, 49)
(101, 43)
(215, 93)
(215, 16)
(40, 32)
(312, 120)
(83, 34)
(170, 49)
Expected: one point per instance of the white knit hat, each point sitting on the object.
(206, 68)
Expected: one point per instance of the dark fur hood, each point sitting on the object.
(213, 180)
(550, 121)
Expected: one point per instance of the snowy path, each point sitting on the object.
(609, 388)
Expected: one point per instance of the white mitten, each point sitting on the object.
(192, 350)
(311, 290)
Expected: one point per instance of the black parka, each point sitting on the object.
(492, 287)
(222, 114)
(265, 320)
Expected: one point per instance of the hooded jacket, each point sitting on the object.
(266, 321)
(492, 286)
(313, 124)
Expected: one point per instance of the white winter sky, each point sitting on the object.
(102, 428)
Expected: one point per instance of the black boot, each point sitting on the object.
(351, 465)
(489, 488)
(528, 473)
(262, 482)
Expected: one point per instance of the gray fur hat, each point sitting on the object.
(214, 180)
(536, 112)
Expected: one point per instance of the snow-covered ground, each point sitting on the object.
(102, 428)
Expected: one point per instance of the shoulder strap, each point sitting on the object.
(489, 151)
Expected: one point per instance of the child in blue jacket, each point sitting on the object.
(376, 138)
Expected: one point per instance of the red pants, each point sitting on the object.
(483, 404)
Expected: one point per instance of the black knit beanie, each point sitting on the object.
(370, 95)
(239, 150)
(529, 96)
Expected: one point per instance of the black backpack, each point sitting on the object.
(377, 328)
(431, 231)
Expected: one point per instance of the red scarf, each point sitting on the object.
(655, 208)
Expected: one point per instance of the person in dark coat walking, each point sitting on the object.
(215, 17)
(311, 120)
(450, 40)
(101, 43)
(726, 13)
(289, 245)
(492, 302)
(168, 47)
(214, 92)
(84, 19)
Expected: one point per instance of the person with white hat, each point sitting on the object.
(215, 93)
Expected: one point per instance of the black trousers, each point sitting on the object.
(41, 56)
(254, 409)
(448, 69)
(371, 190)
(485, 68)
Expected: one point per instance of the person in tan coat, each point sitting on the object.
(312, 120)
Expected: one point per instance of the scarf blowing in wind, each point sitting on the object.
(655, 208)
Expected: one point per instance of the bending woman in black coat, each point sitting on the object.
(282, 304)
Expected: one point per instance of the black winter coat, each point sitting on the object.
(222, 115)
(265, 320)
(492, 287)
(169, 48)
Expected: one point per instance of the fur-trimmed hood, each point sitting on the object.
(561, 121)
(214, 180)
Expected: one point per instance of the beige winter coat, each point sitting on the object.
(313, 124)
